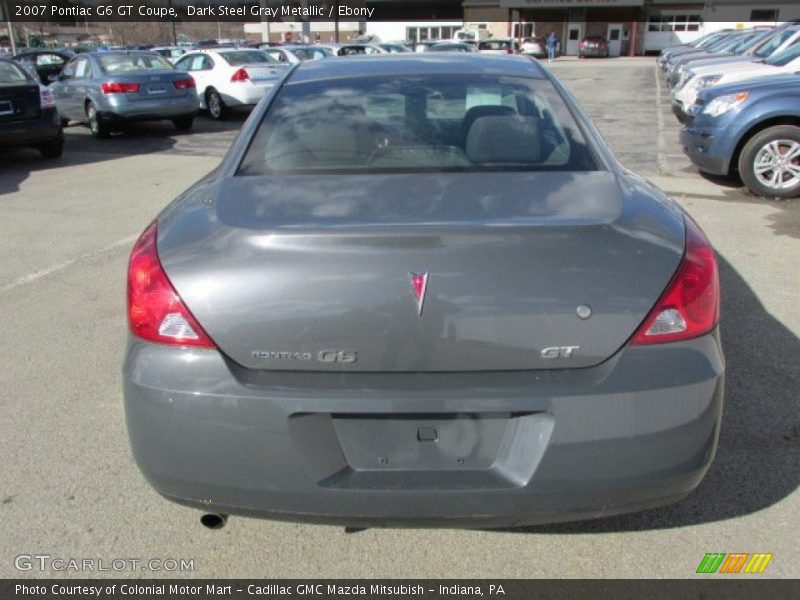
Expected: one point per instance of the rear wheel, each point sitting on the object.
(216, 107)
(96, 126)
(52, 149)
(183, 124)
(769, 164)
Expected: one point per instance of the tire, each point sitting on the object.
(52, 149)
(216, 107)
(769, 164)
(183, 124)
(96, 126)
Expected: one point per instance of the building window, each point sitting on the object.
(769, 14)
(420, 34)
(674, 22)
(523, 30)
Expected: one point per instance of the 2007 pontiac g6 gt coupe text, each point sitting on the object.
(421, 290)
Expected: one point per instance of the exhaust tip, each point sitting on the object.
(213, 521)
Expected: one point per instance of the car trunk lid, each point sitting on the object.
(19, 101)
(326, 273)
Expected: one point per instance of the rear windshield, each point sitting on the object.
(494, 45)
(246, 57)
(11, 73)
(124, 63)
(418, 123)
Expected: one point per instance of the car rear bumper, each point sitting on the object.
(151, 110)
(32, 132)
(511, 448)
(599, 52)
(245, 93)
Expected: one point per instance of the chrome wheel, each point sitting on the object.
(91, 115)
(214, 103)
(777, 164)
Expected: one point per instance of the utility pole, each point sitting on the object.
(306, 24)
(9, 27)
(174, 31)
(265, 32)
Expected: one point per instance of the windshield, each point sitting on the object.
(733, 44)
(754, 41)
(123, 63)
(783, 58)
(706, 40)
(418, 123)
(246, 57)
(11, 73)
(774, 43)
(724, 43)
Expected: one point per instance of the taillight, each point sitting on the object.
(114, 87)
(240, 75)
(689, 307)
(46, 99)
(184, 84)
(156, 312)
(509, 51)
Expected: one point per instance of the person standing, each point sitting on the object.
(552, 44)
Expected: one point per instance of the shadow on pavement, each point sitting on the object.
(80, 148)
(758, 459)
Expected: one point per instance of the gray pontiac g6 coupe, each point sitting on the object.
(420, 290)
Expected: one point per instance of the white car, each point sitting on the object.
(497, 46)
(782, 63)
(295, 54)
(228, 78)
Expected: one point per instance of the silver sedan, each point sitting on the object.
(105, 89)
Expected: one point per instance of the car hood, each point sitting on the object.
(757, 84)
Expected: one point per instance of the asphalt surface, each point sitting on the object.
(69, 487)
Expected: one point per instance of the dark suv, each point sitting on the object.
(28, 114)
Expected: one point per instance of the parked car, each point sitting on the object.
(534, 46)
(354, 49)
(720, 48)
(593, 46)
(106, 89)
(471, 35)
(395, 47)
(701, 42)
(451, 47)
(295, 54)
(319, 329)
(749, 128)
(497, 46)
(171, 53)
(786, 62)
(228, 77)
(44, 62)
(757, 49)
(423, 46)
(28, 113)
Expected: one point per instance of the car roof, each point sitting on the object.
(417, 64)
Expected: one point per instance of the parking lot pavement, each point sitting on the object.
(69, 487)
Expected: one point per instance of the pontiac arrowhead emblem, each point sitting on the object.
(419, 283)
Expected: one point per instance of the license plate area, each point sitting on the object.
(422, 451)
(155, 89)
